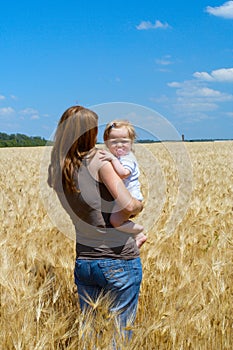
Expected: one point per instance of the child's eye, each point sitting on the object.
(122, 141)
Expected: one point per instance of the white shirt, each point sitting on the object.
(132, 183)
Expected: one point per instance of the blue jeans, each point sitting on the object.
(120, 278)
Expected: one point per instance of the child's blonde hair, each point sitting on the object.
(117, 124)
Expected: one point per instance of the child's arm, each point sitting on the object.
(117, 166)
(119, 169)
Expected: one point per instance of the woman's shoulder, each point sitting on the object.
(97, 162)
(98, 156)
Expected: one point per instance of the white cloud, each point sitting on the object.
(203, 76)
(175, 84)
(5, 111)
(195, 90)
(195, 99)
(163, 62)
(2, 97)
(219, 75)
(28, 111)
(225, 10)
(13, 97)
(194, 106)
(34, 117)
(203, 92)
(145, 25)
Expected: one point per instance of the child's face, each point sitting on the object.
(119, 142)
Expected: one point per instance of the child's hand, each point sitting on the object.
(105, 155)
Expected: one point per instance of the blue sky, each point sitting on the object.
(173, 57)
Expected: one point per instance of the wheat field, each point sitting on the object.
(186, 299)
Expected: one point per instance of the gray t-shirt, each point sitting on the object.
(90, 209)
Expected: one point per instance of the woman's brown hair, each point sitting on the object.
(75, 136)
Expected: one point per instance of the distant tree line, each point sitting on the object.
(146, 141)
(21, 140)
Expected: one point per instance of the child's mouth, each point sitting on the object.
(120, 152)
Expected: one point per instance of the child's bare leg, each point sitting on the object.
(120, 221)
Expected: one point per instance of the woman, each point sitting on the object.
(107, 260)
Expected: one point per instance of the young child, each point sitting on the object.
(119, 136)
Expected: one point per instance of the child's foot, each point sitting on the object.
(140, 239)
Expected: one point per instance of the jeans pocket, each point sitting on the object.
(115, 273)
(82, 272)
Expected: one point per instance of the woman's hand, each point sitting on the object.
(105, 155)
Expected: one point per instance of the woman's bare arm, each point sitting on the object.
(118, 190)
